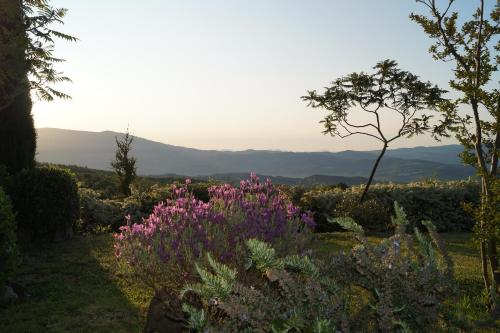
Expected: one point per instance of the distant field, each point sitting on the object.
(76, 287)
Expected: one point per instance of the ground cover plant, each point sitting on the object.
(76, 286)
(398, 284)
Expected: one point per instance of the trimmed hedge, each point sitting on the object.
(47, 204)
(8, 244)
(437, 201)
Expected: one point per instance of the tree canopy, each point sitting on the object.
(387, 89)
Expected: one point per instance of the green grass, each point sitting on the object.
(76, 287)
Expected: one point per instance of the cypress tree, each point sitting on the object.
(17, 131)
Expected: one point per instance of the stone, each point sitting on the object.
(7, 295)
(162, 319)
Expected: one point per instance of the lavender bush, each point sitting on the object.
(161, 251)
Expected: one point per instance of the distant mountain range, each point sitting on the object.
(96, 150)
(307, 181)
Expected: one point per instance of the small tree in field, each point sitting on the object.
(474, 116)
(388, 89)
(124, 164)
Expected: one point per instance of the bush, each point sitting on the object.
(103, 215)
(440, 202)
(6, 179)
(395, 286)
(322, 204)
(8, 247)
(201, 190)
(162, 250)
(98, 215)
(371, 214)
(47, 204)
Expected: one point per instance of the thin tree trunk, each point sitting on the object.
(493, 256)
(484, 265)
(374, 169)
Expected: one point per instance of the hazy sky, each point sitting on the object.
(216, 74)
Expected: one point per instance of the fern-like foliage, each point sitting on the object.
(302, 264)
(216, 286)
(425, 246)
(39, 17)
(197, 318)
(223, 271)
(391, 286)
(400, 219)
(348, 224)
(323, 326)
(262, 256)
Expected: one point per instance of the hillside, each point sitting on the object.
(96, 149)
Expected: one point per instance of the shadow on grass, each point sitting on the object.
(74, 287)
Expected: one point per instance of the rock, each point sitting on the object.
(20, 291)
(7, 296)
(162, 319)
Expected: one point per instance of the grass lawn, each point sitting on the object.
(76, 287)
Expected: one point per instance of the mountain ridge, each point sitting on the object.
(96, 149)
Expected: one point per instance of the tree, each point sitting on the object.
(26, 64)
(124, 165)
(473, 117)
(388, 89)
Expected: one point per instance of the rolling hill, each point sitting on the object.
(96, 150)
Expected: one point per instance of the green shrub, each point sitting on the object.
(322, 204)
(8, 247)
(200, 190)
(440, 202)
(371, 214)
(397, 285)
(47, 204)
(103, 215)
(6, 179)
(98, 215)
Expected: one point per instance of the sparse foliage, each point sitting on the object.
(388, 89)
(32, 44)
(473, 118)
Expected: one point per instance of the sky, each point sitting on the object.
(214, 74)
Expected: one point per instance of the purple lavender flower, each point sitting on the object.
(181, 230)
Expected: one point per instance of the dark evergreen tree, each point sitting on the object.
(17, 132)
(124, 164)
(26, 64)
